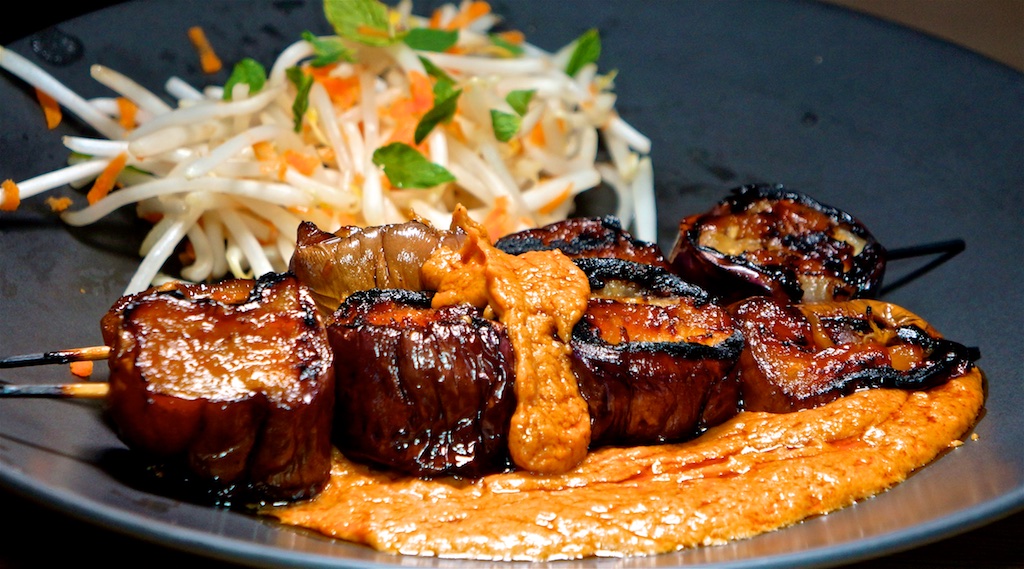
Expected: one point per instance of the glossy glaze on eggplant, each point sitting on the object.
(422, 391)
(799, 356)
(334, 265)
(229, 385)
(652, 355)
(769, 240)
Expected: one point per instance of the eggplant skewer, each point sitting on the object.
(90, 353)
(80, 390)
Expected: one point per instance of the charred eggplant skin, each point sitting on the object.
(799, 356)
(809, 252)
(651, 390)
(426, 392)
(584, 237)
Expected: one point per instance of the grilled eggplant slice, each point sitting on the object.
(334, 265)
(652, 355)
(584, 237)
(424, 391)
(799, 356)
(769, 240)
(230, 385)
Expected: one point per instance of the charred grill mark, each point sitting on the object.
(769, 240)
(652, 358)
(423, 391)
(594, 237)
(799, 356)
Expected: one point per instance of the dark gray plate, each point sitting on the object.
(920, 139)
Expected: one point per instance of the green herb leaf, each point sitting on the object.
(505, 125)
(364, 21)
(520, 100)
(512, 49)
(405, 167)
(444, 85)
(435, 71)
(327, 50)
(587, 50)
(429, 39)
(303, 82)
(248, 71)
(442, 111)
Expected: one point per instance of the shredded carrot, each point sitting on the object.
(264, 150)
(557, 200)
(371, 31)
(343, 91)
(302, 162)
(514, 37)
(127, 110)
(58, 205)
(51, 109)
(406, 112)
(468, 14)
(81, 369)
(108, 177)
(11, 196)
(537, 136)
(208, 59)
(435, 19)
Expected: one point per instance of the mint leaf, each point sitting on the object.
(512, 49)
(405, 167)
(443, 110)
(505, 125)
(520, 100)
(303, 83)
(587, 50)
(248, 71)
(429, 39)
(364, 21)
(444, 85)
(327, 50)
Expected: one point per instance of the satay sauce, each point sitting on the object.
(755, 473)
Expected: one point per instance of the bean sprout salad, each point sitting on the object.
(395, 116)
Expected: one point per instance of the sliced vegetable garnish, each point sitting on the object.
(505, 125)
(327, 50)
(443, 110)
(405, 167)
(520, 100)
(364, 21)
(427, 39)
(267, 149)
(247, 71)
(587, 50)
(512, 49)
(303, 83)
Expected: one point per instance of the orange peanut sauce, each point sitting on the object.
(755, 473)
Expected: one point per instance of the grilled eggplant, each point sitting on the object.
(423, 391)
(799, 356)
(652, 355)
(230, 385)
(584, 237)
(334, 265)
(769, 240)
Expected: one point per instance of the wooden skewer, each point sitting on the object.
(57, 357)
(95, 390)
(947, 248)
